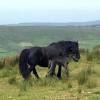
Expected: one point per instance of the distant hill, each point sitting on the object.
(89, 23)
(15, 38)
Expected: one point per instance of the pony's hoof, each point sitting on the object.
(59, 78)
(38, 77)
(46, 75)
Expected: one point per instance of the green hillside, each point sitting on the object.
(14, 38)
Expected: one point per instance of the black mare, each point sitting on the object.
(41, 56)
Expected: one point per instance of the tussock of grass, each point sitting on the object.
(91, 83)
(84, 75)
(79, 89)
(70, 84)
(12, 80)
(24, 86)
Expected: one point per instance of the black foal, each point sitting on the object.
(60, 61)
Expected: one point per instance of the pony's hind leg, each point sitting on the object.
(35, 73)
(32, 68)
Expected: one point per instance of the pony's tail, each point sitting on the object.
(23, 66)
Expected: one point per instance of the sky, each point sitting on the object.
(53, 11)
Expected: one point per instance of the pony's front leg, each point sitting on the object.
(59, 73)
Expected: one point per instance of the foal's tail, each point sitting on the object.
(23, 66)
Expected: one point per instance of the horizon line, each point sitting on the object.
(50, 22)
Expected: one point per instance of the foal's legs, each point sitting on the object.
(52, 68)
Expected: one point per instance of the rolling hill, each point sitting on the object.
(15, 38)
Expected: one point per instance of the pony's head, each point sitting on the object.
(74, 49)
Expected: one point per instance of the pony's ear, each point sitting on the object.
(77, 41)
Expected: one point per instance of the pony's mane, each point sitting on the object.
(62, 43)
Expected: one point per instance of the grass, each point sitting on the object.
(95, 97)
(82, 84)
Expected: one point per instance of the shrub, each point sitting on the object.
(93, 55)
(97, 48)
(11, 61)
(2, 63)
(96, 52)
(96, 55)
(84, 51)
(89, 57)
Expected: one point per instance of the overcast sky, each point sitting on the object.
(19, 11)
